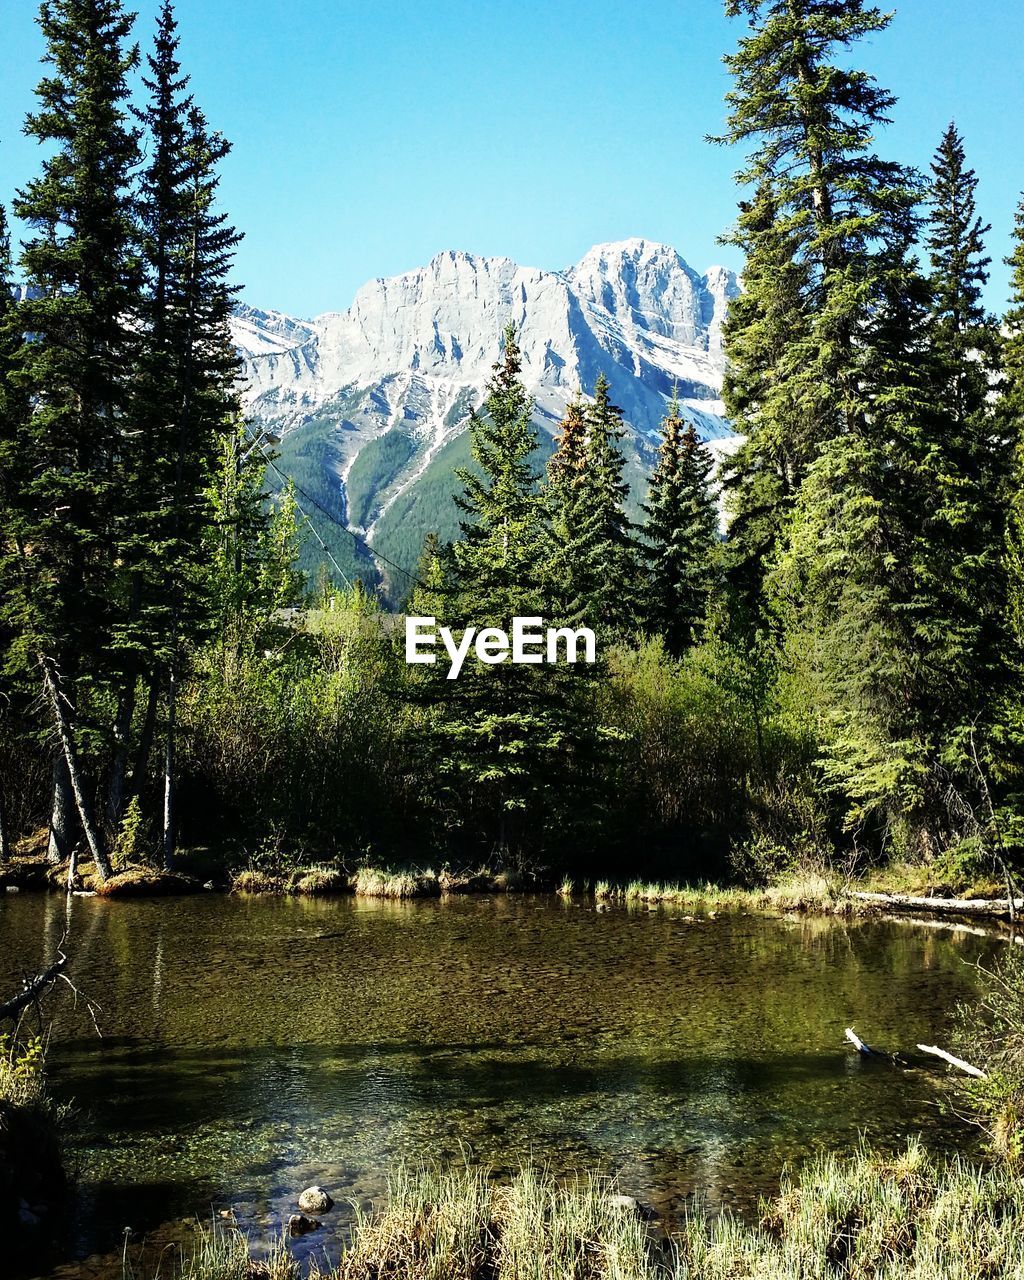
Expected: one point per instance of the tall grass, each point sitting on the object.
(810, 891)
(219, 1254)
(867, 1216)
(373, 882)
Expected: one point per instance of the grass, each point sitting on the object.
(865, 1216)
(220, 1254)
(804, 892)
(319, 882)
(373, 882)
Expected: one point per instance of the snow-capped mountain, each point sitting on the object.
(372, 402)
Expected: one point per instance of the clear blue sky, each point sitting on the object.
(369, 135)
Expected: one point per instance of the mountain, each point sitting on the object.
(372, 403)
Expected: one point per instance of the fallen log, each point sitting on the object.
(953, 1062)
(858, 1043)
(33, 988)
(1003, 907)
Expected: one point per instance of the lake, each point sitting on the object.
(253, 1046)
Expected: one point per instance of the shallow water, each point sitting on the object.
(251, 1047)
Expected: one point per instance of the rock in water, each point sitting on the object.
(300, 1225)
(315, 1200)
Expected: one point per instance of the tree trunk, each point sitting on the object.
(58, 848)
(116, 795)
(64, 729)
(145, 747)
(5, 847)
(172, 712)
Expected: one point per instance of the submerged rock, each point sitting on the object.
(300, 1225)
(630, 1204)
(315, 1200)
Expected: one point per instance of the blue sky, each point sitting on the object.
(368, 136)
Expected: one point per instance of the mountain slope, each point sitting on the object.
(371, 402)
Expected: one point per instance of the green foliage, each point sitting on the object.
(864, 1214)
(377, 465)
(991, 1036)
(681, 535)
(130, 847)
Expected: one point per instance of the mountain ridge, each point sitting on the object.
(372, 402)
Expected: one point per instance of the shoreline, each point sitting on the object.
(793, 894)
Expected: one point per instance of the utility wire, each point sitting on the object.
(359, 541)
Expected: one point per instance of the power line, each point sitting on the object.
(359, 541)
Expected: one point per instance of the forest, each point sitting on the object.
(808, 674)
(834, 678)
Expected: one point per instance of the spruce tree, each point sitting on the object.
(567, 547)
(14, 412)
(681, 534)
(1010, 416)
(82, 267)
(871, 582)
(613, 560)
(964, 331)
(187, 396)
(502, 726)
(775, 411)
(824, 207)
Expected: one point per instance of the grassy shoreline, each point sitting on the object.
(867, 1214)
(812, 891)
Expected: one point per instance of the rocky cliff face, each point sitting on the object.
(372, 402)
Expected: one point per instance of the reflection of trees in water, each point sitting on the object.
(253, 1045)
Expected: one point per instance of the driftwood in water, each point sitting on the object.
(953, 1062)
(1004, 907)
(34, 988)
(934, 1050)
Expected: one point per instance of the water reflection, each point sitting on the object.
(253, 1046)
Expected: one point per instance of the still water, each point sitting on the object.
(251, 1047)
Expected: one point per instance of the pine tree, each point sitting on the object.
(14, 412)
(187, 397)
(870, 584)
(1010, 414)
(777, 414)
(428, 597)
(566, 471)
(964, 331)
(681, 533)
(502, 726)
(613, 560)
(824, 209)
(83, 271)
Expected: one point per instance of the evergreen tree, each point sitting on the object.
(187, 397)
(502, 726)
(428, 597)
(681, 534)
(83, 271)
(776, 412)
(612, 550)
(825, 212)
(1010, 414)
(872, 587)
(14, 412)
(964, 331)
(564, 585)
